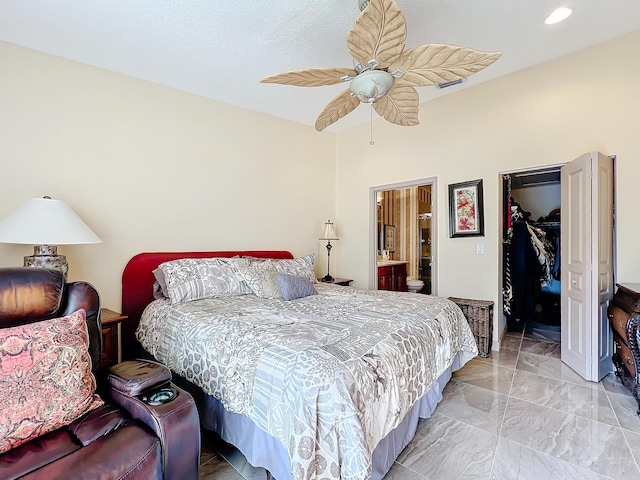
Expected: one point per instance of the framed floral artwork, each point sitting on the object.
(466, 216)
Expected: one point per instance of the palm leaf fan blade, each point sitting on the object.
(399, 106)
(435, 63)
(337, 108)
(379, 33)
(311, 77)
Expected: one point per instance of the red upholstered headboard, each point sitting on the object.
(137, 285)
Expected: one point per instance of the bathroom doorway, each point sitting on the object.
(403, 235)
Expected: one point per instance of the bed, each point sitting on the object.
(328, 384)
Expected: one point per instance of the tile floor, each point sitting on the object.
(519, 414)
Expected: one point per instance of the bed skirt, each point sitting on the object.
(264, 450)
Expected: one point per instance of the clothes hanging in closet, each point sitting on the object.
(507, 285)
(525, 273)
(530, 261)
(545, 251)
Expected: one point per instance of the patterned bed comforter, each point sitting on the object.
(329, 375)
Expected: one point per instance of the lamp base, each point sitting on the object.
(46, 256)
(327, 278)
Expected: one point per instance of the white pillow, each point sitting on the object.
(195, 278)
(261, 278)
(301, 267)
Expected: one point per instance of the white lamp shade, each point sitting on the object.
(329, 233)
(44, 221)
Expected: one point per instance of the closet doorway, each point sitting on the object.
(408, 210)
(585, 272)
(531, 251)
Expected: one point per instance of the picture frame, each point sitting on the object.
(390, 238)
(466, 209)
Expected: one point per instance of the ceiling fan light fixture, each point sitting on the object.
(371, 85)
(376, 44)
(558, 15)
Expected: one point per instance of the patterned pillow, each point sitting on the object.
(261, 278)
(45, 378)
(301, 266)
(195, 278)
(160, 285)
(293, 286)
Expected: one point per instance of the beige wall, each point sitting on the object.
(545, 115)
(150, 168)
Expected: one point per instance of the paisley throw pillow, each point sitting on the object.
(45, 378)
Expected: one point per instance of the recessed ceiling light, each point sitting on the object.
(558, 15)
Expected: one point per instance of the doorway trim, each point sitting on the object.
(373, 227)
(500, 319)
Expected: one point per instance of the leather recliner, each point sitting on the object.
(147, 428)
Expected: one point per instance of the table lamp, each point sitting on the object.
(328, 235)
(46, 223)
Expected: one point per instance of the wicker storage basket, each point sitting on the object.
(479, 314)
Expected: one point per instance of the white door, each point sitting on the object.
(587, 264)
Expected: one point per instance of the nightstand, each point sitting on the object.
(111, 322)
(345, 282)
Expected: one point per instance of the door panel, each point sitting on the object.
(587, 264)
(575, 178)
(575, 330)
(603, 226)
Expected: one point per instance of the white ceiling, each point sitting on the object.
(222, 48)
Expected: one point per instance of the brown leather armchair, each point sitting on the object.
(147, 428)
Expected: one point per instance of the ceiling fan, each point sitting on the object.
(385, 74)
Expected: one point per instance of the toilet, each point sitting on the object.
(414, 286)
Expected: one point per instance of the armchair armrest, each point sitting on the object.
(135, 376)
(143, 388)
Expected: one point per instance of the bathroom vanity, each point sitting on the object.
(392, 275)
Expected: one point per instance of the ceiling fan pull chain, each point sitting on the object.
(371, 142)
